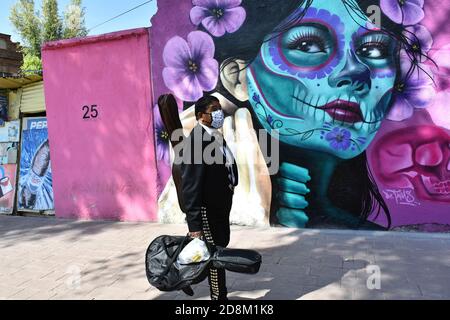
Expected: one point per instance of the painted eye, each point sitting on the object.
(308, 45)
(373, 51)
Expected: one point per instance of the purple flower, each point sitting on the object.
(161, 137)
(442, 67)
(256, 98)
(190, 66)
(420, 38)
(406, 12)
(339, 139)
(218, 16)
(417, 91)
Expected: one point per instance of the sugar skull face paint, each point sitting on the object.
(326, 83)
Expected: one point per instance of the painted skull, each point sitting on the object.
(415, 158)
(326, 83)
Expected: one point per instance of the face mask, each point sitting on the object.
(218, 119)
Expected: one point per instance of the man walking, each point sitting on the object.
(209, 176)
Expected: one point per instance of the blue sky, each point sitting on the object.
(97, 11)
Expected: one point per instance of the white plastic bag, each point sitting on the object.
(196, 251)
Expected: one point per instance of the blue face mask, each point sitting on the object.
(326, 83)
(218, 118)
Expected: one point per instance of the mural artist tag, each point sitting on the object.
(90, 112)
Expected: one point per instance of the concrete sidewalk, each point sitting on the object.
(46, 258)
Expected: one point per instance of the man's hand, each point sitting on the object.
(196, 234)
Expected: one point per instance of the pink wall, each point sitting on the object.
(103, 167)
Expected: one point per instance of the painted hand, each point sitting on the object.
(252, 196)
(291, 195)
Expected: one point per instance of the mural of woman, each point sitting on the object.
(320, 74)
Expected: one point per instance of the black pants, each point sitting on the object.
(217, 233)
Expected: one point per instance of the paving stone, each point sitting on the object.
(63, 259)
(8, 291)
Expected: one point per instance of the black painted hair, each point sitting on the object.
(203, 103)
(353, 187)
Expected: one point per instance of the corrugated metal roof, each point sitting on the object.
(17, 82)
(33, 100)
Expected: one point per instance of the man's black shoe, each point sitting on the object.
(188, 291)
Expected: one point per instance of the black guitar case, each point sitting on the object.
(163, 274)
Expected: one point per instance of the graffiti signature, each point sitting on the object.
(401, 196)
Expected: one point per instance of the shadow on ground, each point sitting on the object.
(297, 264)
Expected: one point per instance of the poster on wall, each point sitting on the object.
(10, 131)
(8, 152)
(7, 187)
(35, 190)
(358, 99)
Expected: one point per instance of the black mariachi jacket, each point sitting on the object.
(205, 184)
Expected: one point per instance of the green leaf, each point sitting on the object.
(31, 64)
(293, 131)
(307, 135)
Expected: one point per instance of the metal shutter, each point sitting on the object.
(33, 100)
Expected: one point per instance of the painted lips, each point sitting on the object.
(345, 111)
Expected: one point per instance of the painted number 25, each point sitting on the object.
(90, 112)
